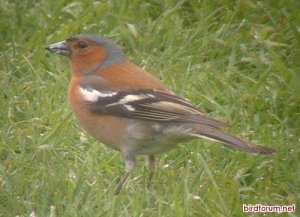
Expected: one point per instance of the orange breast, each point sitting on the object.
(107, 129)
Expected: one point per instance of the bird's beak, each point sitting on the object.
(60, 48)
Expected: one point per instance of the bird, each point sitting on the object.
(130, 110)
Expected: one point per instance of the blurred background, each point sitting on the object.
(236, 60)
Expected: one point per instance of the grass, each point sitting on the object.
(236, 60)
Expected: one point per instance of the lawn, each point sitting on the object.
(239, 61)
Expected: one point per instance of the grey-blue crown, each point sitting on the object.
(114, 55)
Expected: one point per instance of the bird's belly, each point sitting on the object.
(154, 147)
(147, 138)
(109, 130)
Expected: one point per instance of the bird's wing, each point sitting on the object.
(147, 104)
(160, 106)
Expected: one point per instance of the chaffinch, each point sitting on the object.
(128, 109)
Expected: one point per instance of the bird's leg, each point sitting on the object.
(151, 168)
(130, 162)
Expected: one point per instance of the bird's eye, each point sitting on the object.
(81, 45)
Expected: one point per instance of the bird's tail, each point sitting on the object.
(217, 134)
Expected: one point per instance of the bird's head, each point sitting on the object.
(88, 53)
